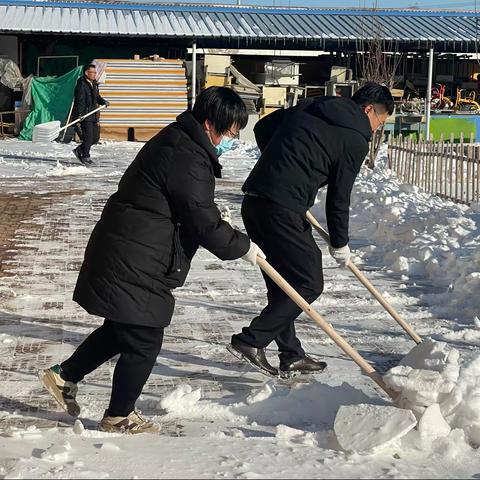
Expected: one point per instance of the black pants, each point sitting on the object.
(90, 136)
(287, 241)
(138, 348)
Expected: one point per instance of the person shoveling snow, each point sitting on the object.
(141, 249)
(317, 143)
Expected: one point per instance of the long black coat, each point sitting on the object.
(87, 98)
(319, 142)
(151, 227)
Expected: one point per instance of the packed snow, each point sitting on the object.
(420, 251)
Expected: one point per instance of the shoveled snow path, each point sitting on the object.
(223, 434)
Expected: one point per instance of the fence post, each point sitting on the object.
(432, 156)
(413, 163)
(460, 164)
(440, 154)
(426, 159)
(450, 189)
(402, 160)
(469, 170)
(407, 159)
(477, 162)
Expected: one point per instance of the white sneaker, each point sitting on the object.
(131, 424)
(63, 391)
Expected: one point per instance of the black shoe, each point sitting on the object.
(84, 160)
(303, 365)
(77, 153)
(254, 356)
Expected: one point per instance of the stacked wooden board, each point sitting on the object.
(144, 95)
(273, 98)
(217, 71)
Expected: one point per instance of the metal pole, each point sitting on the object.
(428, 105)
(194, 72)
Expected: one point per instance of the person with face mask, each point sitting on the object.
(141, 249)
(319, 143)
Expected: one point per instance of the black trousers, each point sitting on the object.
(90, 136)
(138, 348)
(287, 241)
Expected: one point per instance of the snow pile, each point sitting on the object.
(184, 402)
(444, 395)
(62, 171)
(273, 404)
(242, 149)
(286, 434)
(417, 234)
(370, 428)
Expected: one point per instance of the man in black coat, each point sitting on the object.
(141, 249)
(320, 142)
(87, 98)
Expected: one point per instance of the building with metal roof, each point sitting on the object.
(221, 25)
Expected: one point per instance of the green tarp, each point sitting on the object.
(52, 98)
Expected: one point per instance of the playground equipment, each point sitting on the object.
(467, 100)
(439, 100)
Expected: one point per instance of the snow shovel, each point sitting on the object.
(364, 280)
(325, 326)
(361, 427)
(49, 131)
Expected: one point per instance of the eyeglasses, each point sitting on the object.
(380, 123)
(232, 134)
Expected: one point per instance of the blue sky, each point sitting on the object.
(450, 4)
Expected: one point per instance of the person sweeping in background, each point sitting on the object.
(87, 98)
(320, 142)
(141, 249)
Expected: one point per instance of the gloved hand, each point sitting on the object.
(225, 214)
(251, 255)
(341, 255)
(107, 103)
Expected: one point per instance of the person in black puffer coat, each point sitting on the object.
(141, 249)
(87, 98)
(321, 142)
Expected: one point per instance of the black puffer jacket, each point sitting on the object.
(87, 98)
(319, 142)
(152, 226)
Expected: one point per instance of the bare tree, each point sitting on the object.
(378, 60)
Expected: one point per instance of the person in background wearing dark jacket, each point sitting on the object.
(141, 249)
(87, 98)
(320, 142)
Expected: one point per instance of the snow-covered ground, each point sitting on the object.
(224, 420)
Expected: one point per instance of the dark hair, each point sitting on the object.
(88, 67)
(222, 107)
(374, 93)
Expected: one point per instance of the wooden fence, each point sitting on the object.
(444, 168)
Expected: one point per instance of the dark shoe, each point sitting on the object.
(304, 365)
(254, 356)
(77, 153)
(87, 159)
(82, 160)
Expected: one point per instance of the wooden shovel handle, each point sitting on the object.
(81, 118)
(325, 326)
(364, 280)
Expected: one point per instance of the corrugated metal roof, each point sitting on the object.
(202, 21)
